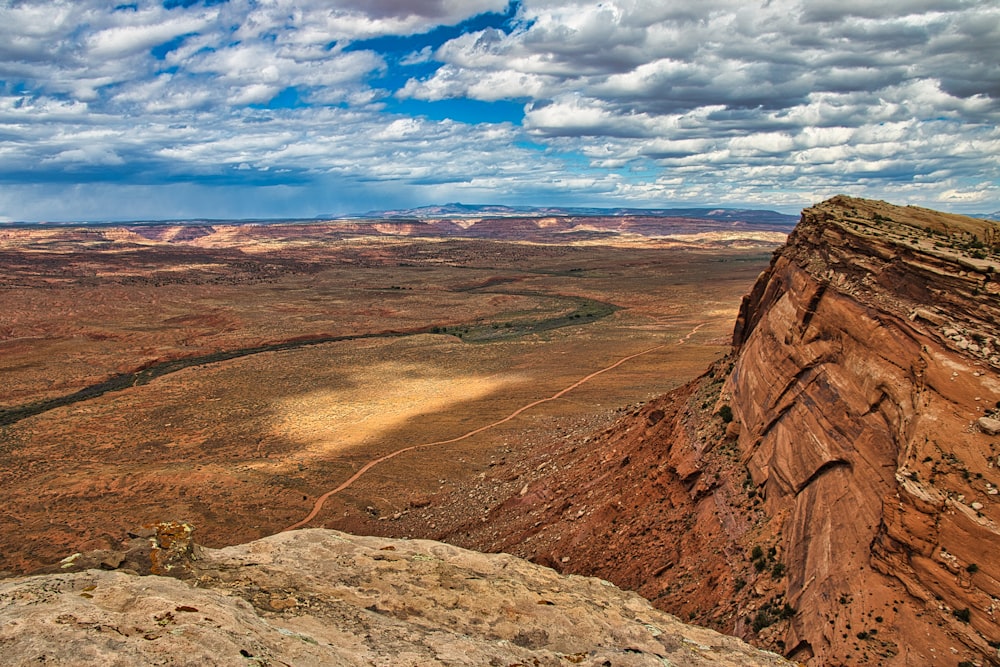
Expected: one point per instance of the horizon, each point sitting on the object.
(527, 210)
(475, 211)
(295, 109)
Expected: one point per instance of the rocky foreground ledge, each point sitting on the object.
(325, 597)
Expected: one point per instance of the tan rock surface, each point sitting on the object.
(325, 597)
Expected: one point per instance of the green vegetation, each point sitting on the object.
(586, 311)
(726, 413)
(763, 562)
(771, 613)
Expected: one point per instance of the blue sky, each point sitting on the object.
(281, 108)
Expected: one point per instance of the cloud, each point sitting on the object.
(144, 31)
(624, 101)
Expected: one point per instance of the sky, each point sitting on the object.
(303, 108)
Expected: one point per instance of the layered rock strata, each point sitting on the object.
(831, 489)
(867, 357)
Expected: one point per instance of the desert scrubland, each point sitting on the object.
(229, 375)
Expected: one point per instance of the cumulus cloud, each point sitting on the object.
(638, 102)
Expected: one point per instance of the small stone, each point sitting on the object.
(283, 603)
(112, 560)
(989, 425)
(924, 314)
(69, 560)
(976, 506)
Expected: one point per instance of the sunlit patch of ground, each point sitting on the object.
(375, 400)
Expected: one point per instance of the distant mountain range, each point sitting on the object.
(458, 210)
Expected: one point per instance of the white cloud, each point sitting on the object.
(625, 101)
(142, 31)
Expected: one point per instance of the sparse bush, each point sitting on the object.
(756, 553)
(770, 614)
(972, 568)
(726, 413)
(963, 615)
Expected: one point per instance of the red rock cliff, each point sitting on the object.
(830, 490)
(867, 358)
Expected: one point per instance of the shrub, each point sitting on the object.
(963, 615)
(762, 620)
(726, 413)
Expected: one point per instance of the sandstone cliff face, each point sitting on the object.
(320, 597)
(866, 358)
(831, 489)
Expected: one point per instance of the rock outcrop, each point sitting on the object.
(321, 597)
(867, 358)
(831, 489)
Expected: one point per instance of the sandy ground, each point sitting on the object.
(243, 448)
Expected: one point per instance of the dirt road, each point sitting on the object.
(320, 501)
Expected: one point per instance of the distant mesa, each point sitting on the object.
(458, 210)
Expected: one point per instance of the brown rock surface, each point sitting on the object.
(857, 422)
(847, 514)
(325, 597)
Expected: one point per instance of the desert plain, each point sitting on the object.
(232, 376)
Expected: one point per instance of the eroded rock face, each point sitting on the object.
(867, 360)
(832, 490)
(324, 597)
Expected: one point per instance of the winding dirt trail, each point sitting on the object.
(318, 506)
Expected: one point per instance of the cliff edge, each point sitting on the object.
(320, 597)
(864, 387)
(829, 490)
